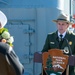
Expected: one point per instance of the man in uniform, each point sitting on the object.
(68, 39)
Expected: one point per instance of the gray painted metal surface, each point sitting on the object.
(29, 3)
(22, 45)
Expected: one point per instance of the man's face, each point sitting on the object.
(62, 26)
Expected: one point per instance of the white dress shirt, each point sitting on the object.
(63, 35)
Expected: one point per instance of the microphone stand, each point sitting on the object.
(70, 53)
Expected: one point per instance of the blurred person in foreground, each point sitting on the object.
(9, 63)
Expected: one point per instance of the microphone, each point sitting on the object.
(70, 51)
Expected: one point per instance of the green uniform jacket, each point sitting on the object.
(53, 43)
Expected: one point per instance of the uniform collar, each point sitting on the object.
(62, 34)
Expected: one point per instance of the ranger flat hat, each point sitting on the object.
(63, 17)
(3, 19)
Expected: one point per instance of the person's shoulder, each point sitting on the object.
(52, 33)
(72, 34)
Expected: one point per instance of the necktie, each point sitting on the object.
(60, 41)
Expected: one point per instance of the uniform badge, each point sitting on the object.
(70, 43)
(52, 43)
